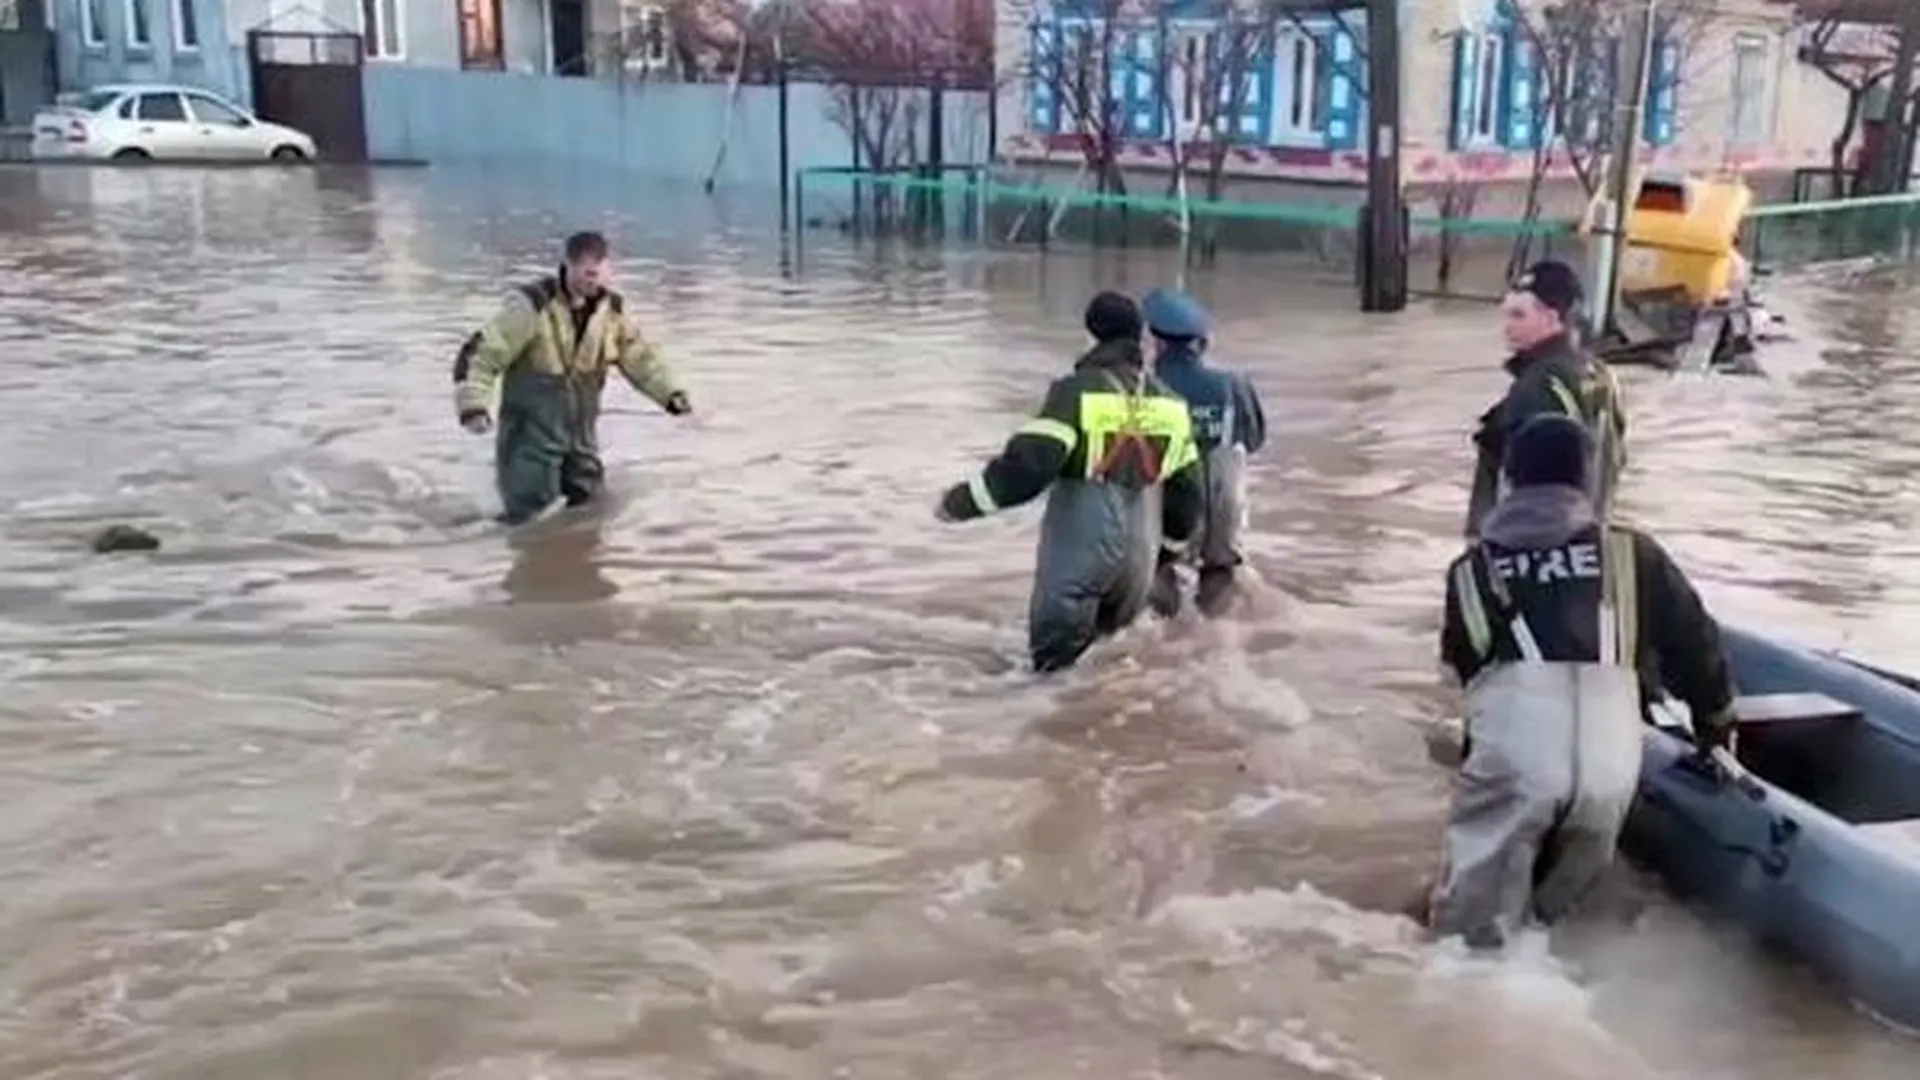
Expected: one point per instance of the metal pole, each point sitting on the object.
(1630, 106)
(1896, 149)
(934, 207)
(1383, 275)
(993, 120)
(786, 135)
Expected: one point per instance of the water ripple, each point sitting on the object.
(740, 777)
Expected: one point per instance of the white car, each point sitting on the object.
(160, 123)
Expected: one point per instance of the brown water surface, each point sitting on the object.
(742, 778)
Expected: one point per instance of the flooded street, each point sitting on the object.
(742, 779)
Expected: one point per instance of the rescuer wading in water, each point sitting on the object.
(1229, 423)
(1113, 448)
(1551, 374)
(1560, 626)
(550, 348)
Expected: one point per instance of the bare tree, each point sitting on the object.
(1576, 92)
(1075, 64)
(1458, 197)
(1206, 79)
(881, 59)
(1858, 59)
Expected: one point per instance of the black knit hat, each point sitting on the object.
(1555, 285)
(1113, 316)
(1549, 449)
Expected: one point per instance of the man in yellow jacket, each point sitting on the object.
(549, 348)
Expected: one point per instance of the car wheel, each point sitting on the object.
(288, 154)
(131, 153)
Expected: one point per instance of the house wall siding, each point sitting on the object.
(1690, 126)
(210, 65)
(666, 130)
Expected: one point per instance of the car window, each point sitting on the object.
(208, 111)
(94, 101)
(125, 111)
(162, 107)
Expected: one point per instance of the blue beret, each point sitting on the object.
(1174, 314)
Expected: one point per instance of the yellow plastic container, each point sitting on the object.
(1681, 232)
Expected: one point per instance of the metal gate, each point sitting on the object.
(311, 81)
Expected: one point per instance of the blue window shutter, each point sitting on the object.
(1146, 118)
(1217, 110)
(1577, 104)
(1043, 82)
(1241, 112)
(1118, 103)
(1663, 86)
(1601, 101)
(1466, 62)
(1338, 88)
(1519, 106)
(1256, 93)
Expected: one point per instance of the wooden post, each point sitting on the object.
(1383, 272)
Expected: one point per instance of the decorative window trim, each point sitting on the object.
(186, 17)
(128, 8)
(383, 33)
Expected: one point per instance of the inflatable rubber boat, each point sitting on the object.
(1809, 833)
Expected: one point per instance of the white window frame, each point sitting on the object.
(1758, 49)
(1079, 59)
(634, 17)
(1296, 90)
(389, 30)
(1562, 104)
(93, 34)
(179, 9)
(1189, 76)
(1489, 74)
(127, 8)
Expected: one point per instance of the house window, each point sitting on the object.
(1299, 107)
(1190, 79)
(1588, 84)
(139, 30)
(480, 35)
(1753, 102)
(1480, 109)
(1488, 76)
(380, 29)
(643, 36)
(93, 23)
(1080, 67)
(186, 26)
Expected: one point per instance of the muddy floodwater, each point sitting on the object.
(741, 778)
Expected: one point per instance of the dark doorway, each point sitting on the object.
(570, 38)
(312, 82)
